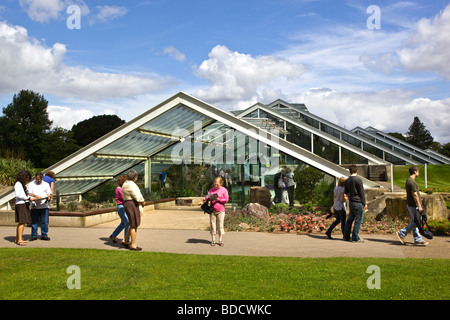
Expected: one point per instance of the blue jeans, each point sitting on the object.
(340, 216)
(411, 227)
(123, 222)
(39, 217)
(356, 213)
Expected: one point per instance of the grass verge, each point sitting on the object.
(39, 273)
(438, 176)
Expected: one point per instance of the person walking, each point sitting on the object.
(413, 205)
(41, 191)
(133, 203)
(219, 196)
(121, 212)
(290, 184)
(354, 190)
(22, 205)
(339, 207)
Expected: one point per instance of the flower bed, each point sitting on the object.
(287, 220)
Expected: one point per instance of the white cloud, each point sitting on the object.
(66, 117)
(175, 53)
(236, 76)
(429, 47)
(45, 10)
(108, 13)
(25, 63)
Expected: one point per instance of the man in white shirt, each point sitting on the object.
(39, 207)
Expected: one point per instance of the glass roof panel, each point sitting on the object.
(135, 144)
(94, 166)
(71, 187)
(178, 117)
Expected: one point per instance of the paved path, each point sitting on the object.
(184, 230)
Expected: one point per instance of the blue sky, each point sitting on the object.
(128, 56)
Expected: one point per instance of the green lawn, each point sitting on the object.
(437, 176)
(38, 273)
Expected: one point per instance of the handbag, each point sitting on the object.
(207, 208)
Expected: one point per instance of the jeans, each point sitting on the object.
(411, 227)
(356, 214)
(340, 216)
(39, 217)
(123, 222)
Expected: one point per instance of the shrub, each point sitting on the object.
(308, 206)
(440, 227)
(279, 208)
(437, 189)
(72, 206)
(10, 167)
(306, 180)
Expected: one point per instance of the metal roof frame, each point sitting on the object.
(374, 159)
(345, 131)
(429, 155)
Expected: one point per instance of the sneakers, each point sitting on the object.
(402, 239)
(423, 243)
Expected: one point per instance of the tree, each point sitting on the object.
(418, 135)
(59, 144)
(397, 135)
(445, 150)
(24, 126)
(89, 130)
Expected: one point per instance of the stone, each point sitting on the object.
(434, 205)
(256, 210)
(260, 195)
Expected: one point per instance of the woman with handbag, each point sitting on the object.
(218, 196)
(22, 206)
(133, 203)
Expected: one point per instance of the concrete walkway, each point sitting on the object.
(184, 230)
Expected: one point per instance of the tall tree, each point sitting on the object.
(24, 126)
(59, 144)
(418, 135)
(89, 130)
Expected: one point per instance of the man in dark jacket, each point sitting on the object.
(354, 190)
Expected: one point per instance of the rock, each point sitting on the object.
(256, 210)
(260, 195)
(244, 226)
(434, 205)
